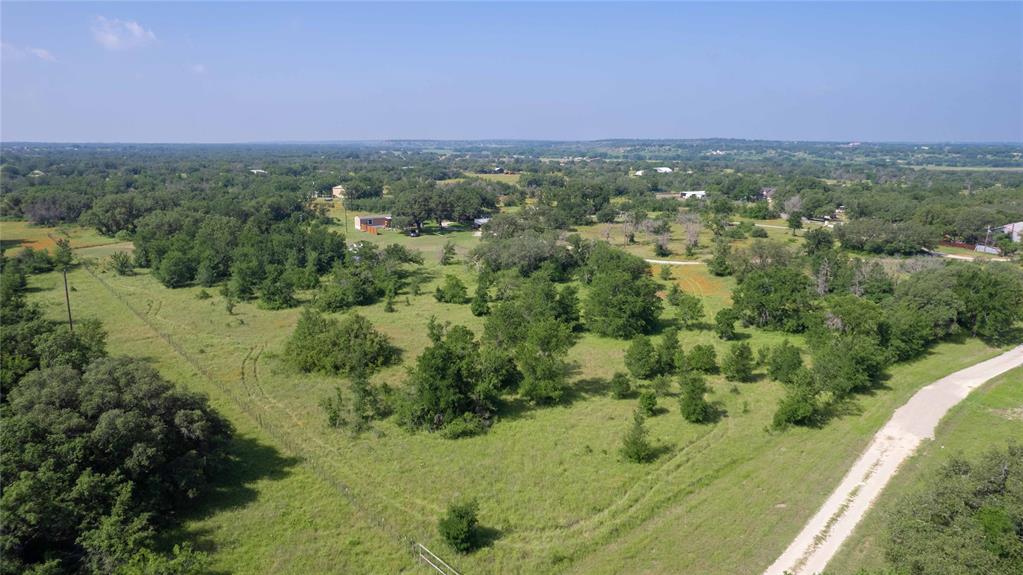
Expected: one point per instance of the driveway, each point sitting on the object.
(915, 421)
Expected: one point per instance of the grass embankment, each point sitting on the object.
(723, 498)
(989, 417)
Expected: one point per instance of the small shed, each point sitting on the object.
(338, 191)
(372, 223)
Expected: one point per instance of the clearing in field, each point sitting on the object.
(722, 498)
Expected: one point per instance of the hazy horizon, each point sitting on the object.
(502, 141)
(200, 73)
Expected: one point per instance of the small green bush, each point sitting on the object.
(467, 425)
(453, 291)
(648, 403)
(702, 358)
(636, 447)
(620, 385)
(460, 526)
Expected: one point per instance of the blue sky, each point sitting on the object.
(240, 72)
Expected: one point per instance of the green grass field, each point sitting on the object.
(18, 234)
(299, 498)
(989, 417)
(957, 251)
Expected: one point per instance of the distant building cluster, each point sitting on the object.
(661, 170)
(698, 194)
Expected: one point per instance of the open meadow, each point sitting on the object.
(555, 494)
(471, 288)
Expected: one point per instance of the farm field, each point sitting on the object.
(987, 418)
(553, 490)
(18, 233)
(506, 178)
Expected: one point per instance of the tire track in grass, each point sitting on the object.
(365, 512)
(650, 493)
(642, 494)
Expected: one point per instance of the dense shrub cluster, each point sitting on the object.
(965, 519)
(349, 346)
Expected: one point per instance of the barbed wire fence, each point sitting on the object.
(421, 555)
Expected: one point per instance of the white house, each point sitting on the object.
(1015, 231)
(698, 194)
(338, 192)
(661, 170)
(258, 172)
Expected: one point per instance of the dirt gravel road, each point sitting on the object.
(915, 421)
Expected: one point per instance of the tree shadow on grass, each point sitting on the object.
(517, 407)
(247, 461)
(425, 276)
(657, 451)
(716, 413)
(847, 407)
(487, 536)
(658, 411)
(1010, 337)
(581, 389)
(512, 408)
(10, 244)
(758, 377)
(665, 322)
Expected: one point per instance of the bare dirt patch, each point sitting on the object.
(1012, 413)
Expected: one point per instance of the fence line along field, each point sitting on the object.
(550, 481)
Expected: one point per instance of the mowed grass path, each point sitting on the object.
(990, 417)
(723, 498)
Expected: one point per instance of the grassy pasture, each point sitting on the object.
(989, 417)
(722, 498)
(957, 251)
(969, 168)
(506, 178)
(16, 233)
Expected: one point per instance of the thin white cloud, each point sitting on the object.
(12, 52)
(43, 54)
(114, 34)
(198, 69)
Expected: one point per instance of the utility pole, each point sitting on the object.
(67, 299)
(64, 257)
(344, 204)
